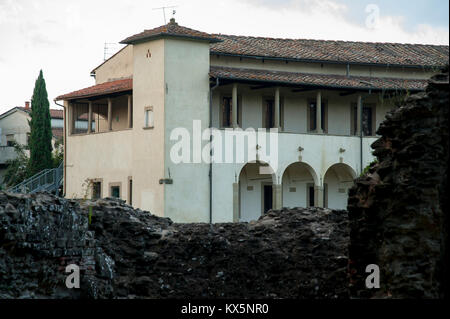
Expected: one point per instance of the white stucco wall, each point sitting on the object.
(148, 144)
(186, 99)
(16, 124)
(118, 66)
(105, 156)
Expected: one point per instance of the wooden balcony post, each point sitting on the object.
(319, 113)
(89, 130)
(234, 110)
(109, 114)
(277, 108)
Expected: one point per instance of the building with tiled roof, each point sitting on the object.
(14, 127)
(172, 91)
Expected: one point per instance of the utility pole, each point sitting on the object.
(164, 11)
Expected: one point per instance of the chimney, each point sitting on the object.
(27, 105)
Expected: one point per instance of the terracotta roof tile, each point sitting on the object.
(57, 133)
(170, 29)
(333, 51)
(99, 89)
(320, 80)
(54, 113)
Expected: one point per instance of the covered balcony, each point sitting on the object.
(304, 103)
(107, 107)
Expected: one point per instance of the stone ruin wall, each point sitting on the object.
(398, 212)
(127, 253)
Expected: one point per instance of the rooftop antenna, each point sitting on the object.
(164, 11)
(108, 50)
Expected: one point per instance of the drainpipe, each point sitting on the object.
(361, 136)
(210, 152)
(65, 146)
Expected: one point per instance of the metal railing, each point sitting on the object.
(47, 180)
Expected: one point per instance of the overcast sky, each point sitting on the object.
(65, 38)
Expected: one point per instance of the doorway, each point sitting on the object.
(267, 197)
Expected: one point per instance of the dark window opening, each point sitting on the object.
(10, 140)
(313, 116)
(367, 121)
(311, 196)
(115, 191)
(270, 114)
(96, 190)
(267, 198)
(227, 112)
(130, 192)
(355, 120)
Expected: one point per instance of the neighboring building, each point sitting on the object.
(14, 127)
(313, 91)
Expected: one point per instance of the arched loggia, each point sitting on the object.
(338, 179)
(256, 193)
(298, 185)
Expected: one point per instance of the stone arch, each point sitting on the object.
(256, 179)
(337, 180)
(298, 185)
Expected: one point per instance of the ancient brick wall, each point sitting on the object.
(398, 212)
(126, 253)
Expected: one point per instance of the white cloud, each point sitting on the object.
(66, 38)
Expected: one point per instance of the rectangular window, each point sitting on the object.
(368, 119)
(227, 112)
(115, 191)
(96, 190)
(354, 119)
(149, 120)
(10, 140)
(268, 116)
(312, 116)
(227, 109)
(269, 113)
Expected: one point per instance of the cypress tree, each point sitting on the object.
(40, 142)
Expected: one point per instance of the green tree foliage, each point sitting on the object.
(40, 143)
(366, 169)
(58, 154)
(17, 168)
